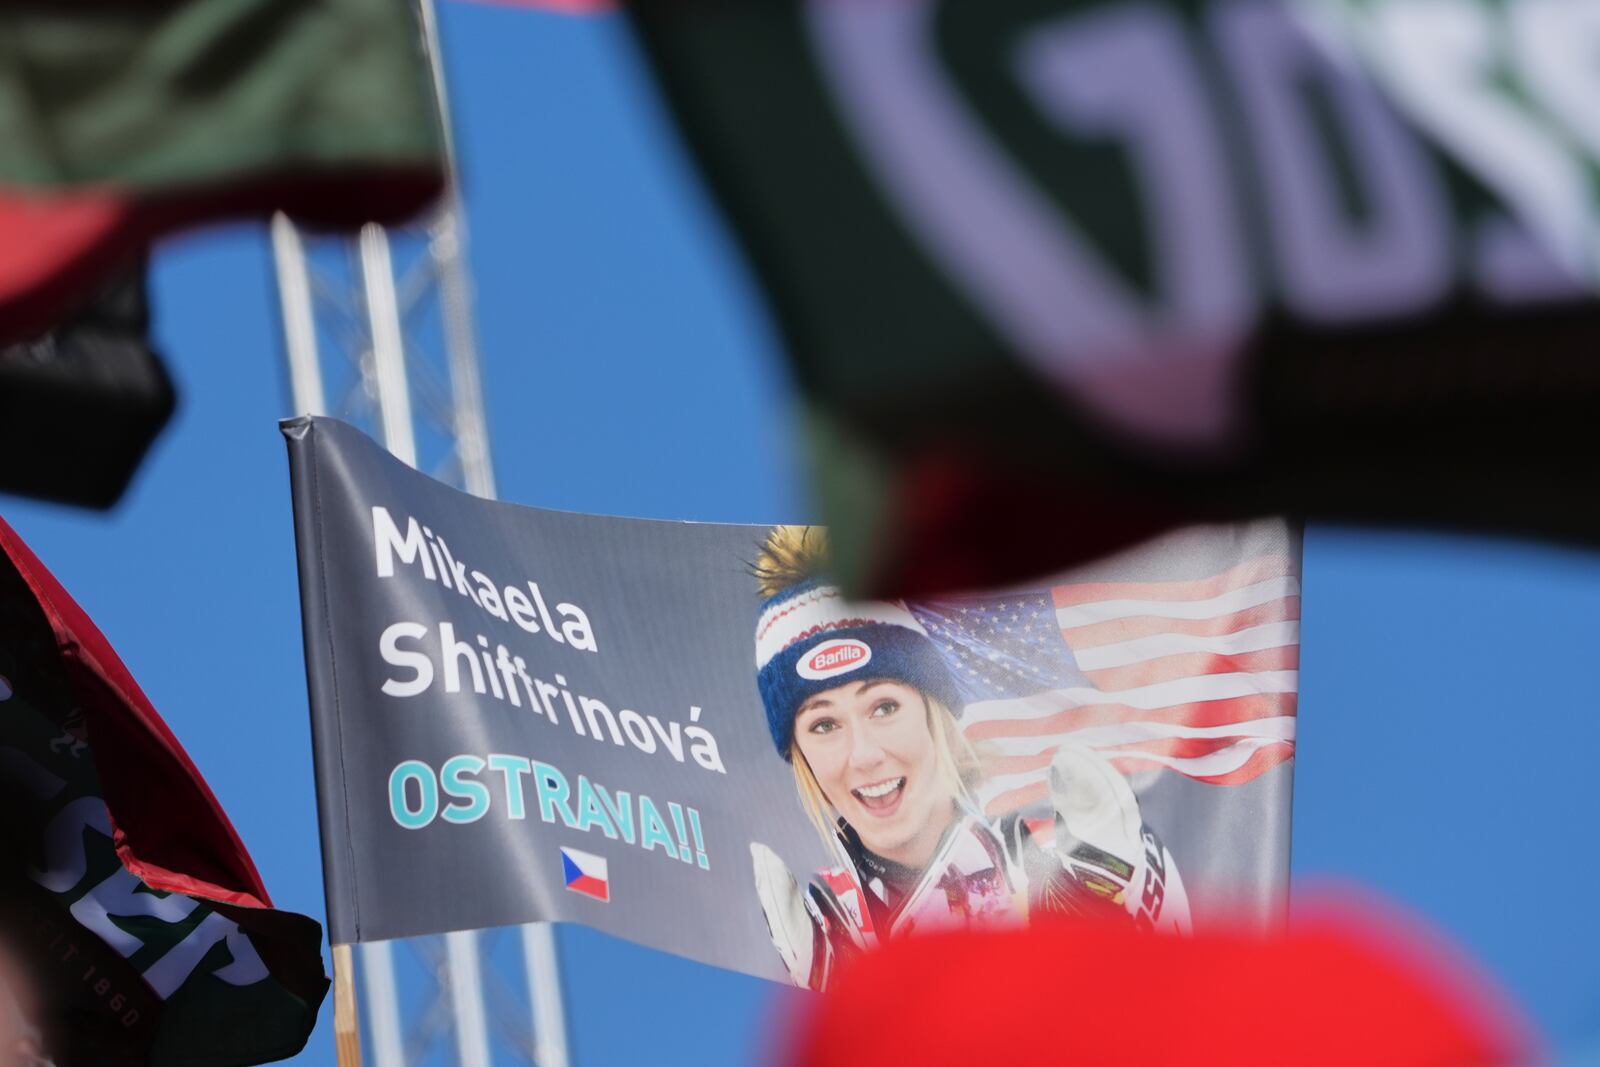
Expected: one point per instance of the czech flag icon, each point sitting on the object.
(585, 873)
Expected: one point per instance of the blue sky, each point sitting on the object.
(1448, 715)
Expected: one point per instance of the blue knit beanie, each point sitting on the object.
(810, 639)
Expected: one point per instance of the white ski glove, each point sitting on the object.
(1104, 844)
(794, 928)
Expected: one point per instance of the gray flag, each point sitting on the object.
(527, 715)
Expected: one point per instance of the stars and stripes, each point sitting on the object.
(1197, 676)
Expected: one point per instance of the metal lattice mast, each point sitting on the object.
(393, 310)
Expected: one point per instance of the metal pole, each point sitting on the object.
(455, 296)
(299, 318)
(466, 999)
(449, 250)
(383, 1004)
(549, 1018)
(388, 349)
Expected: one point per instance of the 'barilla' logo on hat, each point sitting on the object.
(834, 657)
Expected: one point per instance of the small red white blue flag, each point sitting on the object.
(585, 873)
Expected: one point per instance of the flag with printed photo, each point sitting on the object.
(688, 735)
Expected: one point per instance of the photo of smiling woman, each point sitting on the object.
(861, 703)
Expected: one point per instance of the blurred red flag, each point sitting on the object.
(55, 248)
(124, 889)
(1334, 992)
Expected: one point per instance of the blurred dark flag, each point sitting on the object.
(1056, 275)
(122, 121)
(124, 890)
(80, 404)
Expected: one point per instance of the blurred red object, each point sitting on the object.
(55, 248)
(58, 245)
(1342, 989)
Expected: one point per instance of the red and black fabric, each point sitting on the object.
(125, 889)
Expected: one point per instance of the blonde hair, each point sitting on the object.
(957, 765)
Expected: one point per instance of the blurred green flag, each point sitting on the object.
(1057, 274)
(122, 120)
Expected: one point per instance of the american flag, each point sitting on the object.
(1197, 677)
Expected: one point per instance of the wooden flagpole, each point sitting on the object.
(346, 1025)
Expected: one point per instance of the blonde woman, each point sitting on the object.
(860, 702)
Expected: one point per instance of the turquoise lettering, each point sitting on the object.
(553, 792)
(428, 794)
(620, 810)
(512, 768)
(459, 787)
(654, 828)
(590, 810)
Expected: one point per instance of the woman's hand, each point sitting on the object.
(1104, 844)
(794, 929)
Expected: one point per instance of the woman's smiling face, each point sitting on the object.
(871, 749)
